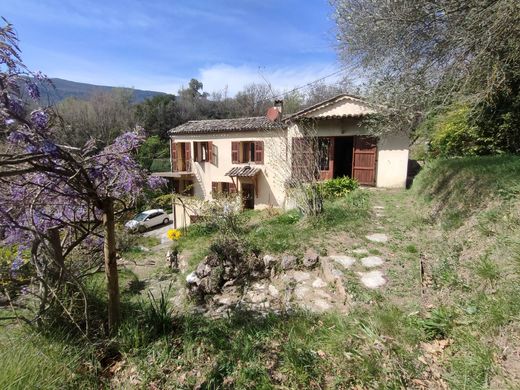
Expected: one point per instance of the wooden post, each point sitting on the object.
(111, 265)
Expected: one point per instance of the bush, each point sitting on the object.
(338, 187)
(162, 201)
(454, 136)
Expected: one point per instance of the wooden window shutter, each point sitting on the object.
(214, 188)
(173, 146)
(196, 154)
(213, 153)
(225, 187)
(303, 159)
(232, 188)
(235, 149)
(259, 152)
(187, 156)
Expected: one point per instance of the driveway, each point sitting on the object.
(160, 231)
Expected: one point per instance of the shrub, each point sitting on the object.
(224, 213)
(125, 240)
(453, 135)
(338, 187)
(162, 201)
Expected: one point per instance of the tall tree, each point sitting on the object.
(104, 116)
(54, 195)
(423, 54)
(158, 115)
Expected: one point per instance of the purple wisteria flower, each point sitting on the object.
(39, 119)
(33, 90)
(155, 182)
(15, 107)
(17, 137)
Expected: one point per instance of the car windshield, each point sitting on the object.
(140, 217)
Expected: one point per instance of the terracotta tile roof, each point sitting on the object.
(244, 171)
(329, 102)
(226, 125)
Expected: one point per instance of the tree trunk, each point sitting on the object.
(57, 252)
(111, 265)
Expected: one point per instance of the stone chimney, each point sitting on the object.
(278, 104)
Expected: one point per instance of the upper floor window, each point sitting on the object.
(205, 151)
(247, 152)
(180, 156)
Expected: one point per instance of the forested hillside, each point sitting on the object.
(64, 89)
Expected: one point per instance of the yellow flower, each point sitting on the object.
(174, 234)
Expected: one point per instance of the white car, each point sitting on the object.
(148, 219)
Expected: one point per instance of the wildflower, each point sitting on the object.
(33, 90)
(174, 234)
(39, 119)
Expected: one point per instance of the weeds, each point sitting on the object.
(487, 270)
(439, 323)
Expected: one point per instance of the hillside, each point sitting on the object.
(444, 312)
(67, 88)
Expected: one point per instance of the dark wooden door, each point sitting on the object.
(248, 195)
(364, 160)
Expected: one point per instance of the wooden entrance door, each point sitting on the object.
(364, 160)
(248, 195)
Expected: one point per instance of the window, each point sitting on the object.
(201, 151)
(205, 151)
(247, 152)
(181, 156)
(222, 187)
(323, 150)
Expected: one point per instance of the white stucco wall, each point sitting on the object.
(392, 149)
(392, 161)
(270, 181)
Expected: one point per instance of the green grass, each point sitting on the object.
(461, 218)
(30, 360)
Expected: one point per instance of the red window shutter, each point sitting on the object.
(304, 159)
(188, 156)
(214, 188)
(235, 148)
(259, 152)
(210, 147)
(173, 147)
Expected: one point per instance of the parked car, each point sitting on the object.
(148, 219)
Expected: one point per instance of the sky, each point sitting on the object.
(160, 45)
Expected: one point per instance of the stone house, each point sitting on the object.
(257, 156)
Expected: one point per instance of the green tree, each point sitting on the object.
(158, 115)
(104, 116)
(420, 55)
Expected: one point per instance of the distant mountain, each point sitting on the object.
(66, 88)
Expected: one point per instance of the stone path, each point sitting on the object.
(375, 278)
(315, 288)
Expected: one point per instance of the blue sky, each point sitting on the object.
(160, 44)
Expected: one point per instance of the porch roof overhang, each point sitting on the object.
(174, 175)
(245, 171)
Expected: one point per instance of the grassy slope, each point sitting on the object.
(461, 218)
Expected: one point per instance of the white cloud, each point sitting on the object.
(219, 76)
